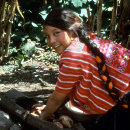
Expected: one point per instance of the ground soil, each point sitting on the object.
(34, 78)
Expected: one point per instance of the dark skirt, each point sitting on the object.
(118, 118)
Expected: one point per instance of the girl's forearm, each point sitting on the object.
(54, 102)
(50, 108)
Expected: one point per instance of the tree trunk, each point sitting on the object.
(113, 20)
(91, 20)
(2, 30)
(123, 30)
(99, 16)
(6, 25)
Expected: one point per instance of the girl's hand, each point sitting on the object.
(55, 100)
(37, 109)
(50, 117)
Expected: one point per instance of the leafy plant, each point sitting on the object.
(78, 3)
(19, 60)
(28, 49)
(24, 53)
(36, 11)
(51, 57)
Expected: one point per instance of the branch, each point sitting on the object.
(19, 11)
(2, 31)
(9, 26)
(113, 20)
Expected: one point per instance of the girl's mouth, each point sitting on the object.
(56, 46)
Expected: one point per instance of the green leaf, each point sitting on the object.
(28, 49)
(37, 38)
(83, 12)
(27, 23)
(20, 24)
(77, 3)
(12, 50)
(24, 38)
(19, 60)
(84, 1)
(92, 0)
(37, 33)
(20, 57)
(34, 25)
(43, 14)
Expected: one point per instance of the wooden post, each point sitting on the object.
(22, 114)
(99, 16)
(113, 20)
(2, 31)
(6, 19)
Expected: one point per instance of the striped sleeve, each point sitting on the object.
(69, 76)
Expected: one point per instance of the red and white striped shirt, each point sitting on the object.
(79, 76)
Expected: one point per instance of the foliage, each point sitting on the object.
(23, 53)
(50, 57)
(28, 49)
(78, 3)
(35, 11)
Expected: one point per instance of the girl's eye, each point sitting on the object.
(46, 36)
(56, 33)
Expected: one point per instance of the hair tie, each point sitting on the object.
(77, 19)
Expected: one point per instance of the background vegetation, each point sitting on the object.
(21, 31)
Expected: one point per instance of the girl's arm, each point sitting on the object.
(54, 102)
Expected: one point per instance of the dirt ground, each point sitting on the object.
(33, 78)
(36, 78)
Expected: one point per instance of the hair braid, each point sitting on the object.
(102, 68)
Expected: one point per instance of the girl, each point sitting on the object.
(93, 72)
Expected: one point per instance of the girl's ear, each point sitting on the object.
(73, 34)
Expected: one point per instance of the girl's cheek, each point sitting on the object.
(48, 43)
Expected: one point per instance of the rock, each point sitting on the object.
(57, 123)
(5, 122)
(66, 121)
(15, 127)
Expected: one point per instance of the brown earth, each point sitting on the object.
(35, 78)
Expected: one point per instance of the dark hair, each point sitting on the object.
(66, 20)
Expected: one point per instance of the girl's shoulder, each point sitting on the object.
(75, 46)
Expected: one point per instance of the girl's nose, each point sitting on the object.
(52, 40)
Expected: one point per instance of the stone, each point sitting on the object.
(5, 122)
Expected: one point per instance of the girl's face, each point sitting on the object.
(57, 38)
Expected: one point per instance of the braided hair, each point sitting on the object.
(66, 20)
